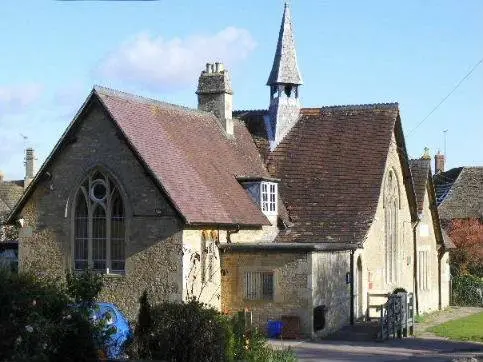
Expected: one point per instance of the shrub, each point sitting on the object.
(181, 332)
(467, 290)
(37, 323)
(84, 287)
(251, 345)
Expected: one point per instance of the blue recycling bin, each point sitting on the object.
(274, 329)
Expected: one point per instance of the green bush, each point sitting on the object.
(251, 345)
(181, 332)
(194, 332)
(38, 324)
(467, 290)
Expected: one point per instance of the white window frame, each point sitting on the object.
(269, 197)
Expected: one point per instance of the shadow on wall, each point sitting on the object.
(331, 292)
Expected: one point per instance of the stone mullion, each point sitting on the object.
(90, 262)
(108, 229)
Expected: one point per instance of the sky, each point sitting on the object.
(414, 52)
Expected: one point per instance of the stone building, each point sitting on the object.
(432, 250)
(290, 212)
(11, 191)
(459, 194)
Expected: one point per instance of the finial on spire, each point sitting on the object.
(426, 155)
(285, 69)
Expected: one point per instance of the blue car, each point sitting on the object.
(118, 325)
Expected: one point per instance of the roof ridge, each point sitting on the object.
(142, 99)
(238, 111)
(382, 105)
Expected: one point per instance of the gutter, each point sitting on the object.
(287, 247)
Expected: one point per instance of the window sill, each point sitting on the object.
(102, 273)
(114, 275)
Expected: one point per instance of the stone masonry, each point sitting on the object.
(153, 240)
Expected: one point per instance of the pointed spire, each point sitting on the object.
(285, 69)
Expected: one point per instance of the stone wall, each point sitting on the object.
(373, 253)
(154, 231)
(329, 288)
(445, 281)
(428, 297)
(292, 289)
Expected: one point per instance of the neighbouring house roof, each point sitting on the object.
(332, 164)
(422, 182)
(459, 193)
(10, 193)
(285, 69)
(187, 154)
(420, 169)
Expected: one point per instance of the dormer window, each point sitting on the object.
(269, 198)
(264, 192)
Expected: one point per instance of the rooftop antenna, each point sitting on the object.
(25, 138)
(444, 139)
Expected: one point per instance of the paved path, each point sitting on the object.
(423, 347)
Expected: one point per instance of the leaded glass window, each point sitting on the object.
(99, 225)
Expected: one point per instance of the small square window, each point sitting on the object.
(259, 286)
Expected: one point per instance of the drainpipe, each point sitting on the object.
(440, 292)
(352, 287)
(233, 231)
(415, 266)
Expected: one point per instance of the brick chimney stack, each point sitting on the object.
(29, 166)
(216, 95)
(439, 160)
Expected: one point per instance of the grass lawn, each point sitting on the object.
(465, 329)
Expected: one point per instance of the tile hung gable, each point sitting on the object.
(331, 165)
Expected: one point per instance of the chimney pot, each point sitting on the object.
(215, 94)
(439, 161)
(29, 166)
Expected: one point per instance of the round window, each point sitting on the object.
(98, 190)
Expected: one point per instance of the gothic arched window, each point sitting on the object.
(99, 225)
(391, 208)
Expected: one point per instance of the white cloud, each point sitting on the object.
(159, 64)
(18, 97)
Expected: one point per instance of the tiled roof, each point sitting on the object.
(187, 154)
(10, 193)
(422, 181)
(191, 157)
(285, 68)
(331, 165)
(460, 193)
(420, 169)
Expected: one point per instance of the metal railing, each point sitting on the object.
(397, 316)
